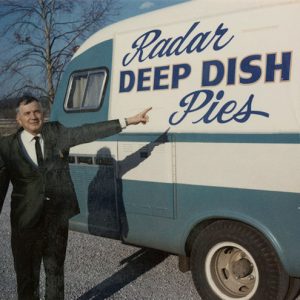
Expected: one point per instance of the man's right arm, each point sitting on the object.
(69, 137)
(89, 132)
(72, 136)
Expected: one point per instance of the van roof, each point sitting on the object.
(191, 10)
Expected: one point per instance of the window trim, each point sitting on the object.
(101, 96)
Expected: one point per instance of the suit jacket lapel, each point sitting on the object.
(23, 151)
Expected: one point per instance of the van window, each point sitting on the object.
(85, 90)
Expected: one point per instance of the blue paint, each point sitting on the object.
(248, 67)
(149, 198)
(206, 68)
(180, 71)
(150, 44)
(272, 138)
(284, 66)
(143, 77)
(99, 56)
(124, 88)
(272, 213)
(231, 71)
(146, 79)
(155, 217)
(158, 76)
(206, 104)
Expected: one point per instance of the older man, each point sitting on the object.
(35, 160)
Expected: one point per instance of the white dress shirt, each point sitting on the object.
(123, 123)
(29, 144)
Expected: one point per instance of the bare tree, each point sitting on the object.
(38, 38)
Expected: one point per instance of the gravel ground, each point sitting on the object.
(98, 268)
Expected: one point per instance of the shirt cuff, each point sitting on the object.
(123, 123)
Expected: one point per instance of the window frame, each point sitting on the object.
(81, 108)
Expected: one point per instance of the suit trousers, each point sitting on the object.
(47, 243)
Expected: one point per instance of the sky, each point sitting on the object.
(127, 8)
(131, 8)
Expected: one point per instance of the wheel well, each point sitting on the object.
(200, 226)
(194, 232)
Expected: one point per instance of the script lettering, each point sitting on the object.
(211, 109)
(150, 44)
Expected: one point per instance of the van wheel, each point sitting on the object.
(294, 289)
(231, 260)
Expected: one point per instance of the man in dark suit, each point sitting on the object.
(35, 161)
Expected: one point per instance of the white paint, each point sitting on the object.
(266, 35)
(259, 27)
(269, 167)
(156, 167)
(178, 13)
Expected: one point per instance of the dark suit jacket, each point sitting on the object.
(31, 184)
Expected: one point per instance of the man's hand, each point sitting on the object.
(142, 117)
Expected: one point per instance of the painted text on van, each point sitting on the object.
(214, 72)
(250, 68)
(149, 45)
(205, 107)
(159, 76)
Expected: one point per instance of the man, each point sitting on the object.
(35, 160)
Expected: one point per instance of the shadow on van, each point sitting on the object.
(106, 211)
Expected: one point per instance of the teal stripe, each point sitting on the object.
(161, 215)
(273, 213)
(289, 138)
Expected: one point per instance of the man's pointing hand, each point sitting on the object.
(142, 117)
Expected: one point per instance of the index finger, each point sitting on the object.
(146, 110)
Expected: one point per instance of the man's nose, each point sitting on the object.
(33, 116)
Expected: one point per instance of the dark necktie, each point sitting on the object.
(38, 150)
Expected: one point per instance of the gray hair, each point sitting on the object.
(26, 99)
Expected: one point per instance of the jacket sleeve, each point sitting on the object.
(4, 182)
(69, 137)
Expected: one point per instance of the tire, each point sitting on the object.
(231, 260)
(294, 289)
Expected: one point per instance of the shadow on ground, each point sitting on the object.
(135, 265)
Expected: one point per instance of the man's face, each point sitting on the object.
(30, 117)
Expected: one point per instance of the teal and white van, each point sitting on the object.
(214, 177)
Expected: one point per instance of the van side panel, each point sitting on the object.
(266, 211)
(210, 185)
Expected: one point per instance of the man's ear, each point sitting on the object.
(18, 119)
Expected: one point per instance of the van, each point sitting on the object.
(214, 177)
